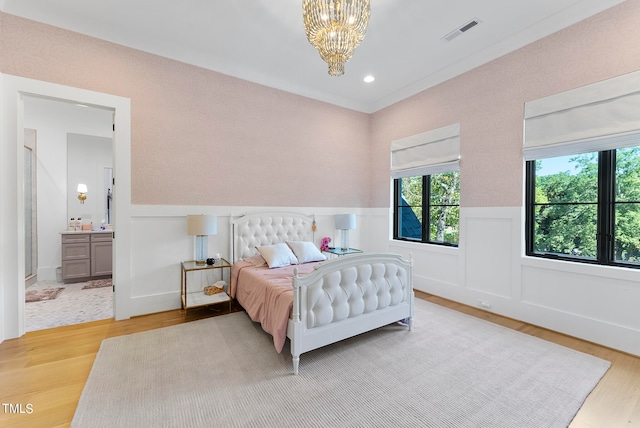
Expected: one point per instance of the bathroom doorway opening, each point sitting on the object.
(15, 90)
(75, 145)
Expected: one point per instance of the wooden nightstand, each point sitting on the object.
(193, 295)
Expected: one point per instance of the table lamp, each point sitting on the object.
(344, 222)
(201, 226)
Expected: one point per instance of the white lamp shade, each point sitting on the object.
(345, 221)
(200, 225)
(82, 188)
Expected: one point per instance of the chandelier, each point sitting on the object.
(335, 28)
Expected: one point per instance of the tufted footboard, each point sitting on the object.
(347, 296)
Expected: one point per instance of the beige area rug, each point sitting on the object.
(41, 295)
(452, 370)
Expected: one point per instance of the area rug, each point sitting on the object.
(72, 306)
(451, 370)
(41, 295)
(97, 283)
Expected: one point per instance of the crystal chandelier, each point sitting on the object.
(335, 28)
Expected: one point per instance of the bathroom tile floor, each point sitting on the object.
(72, 306)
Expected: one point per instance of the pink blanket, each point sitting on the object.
(267, 295)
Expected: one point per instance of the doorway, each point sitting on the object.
(75, 146)
(12, 227)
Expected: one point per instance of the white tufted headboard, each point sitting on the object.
(267, 228)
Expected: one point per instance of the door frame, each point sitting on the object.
(32, 147)
(14, 88)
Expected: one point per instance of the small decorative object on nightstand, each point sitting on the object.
(216, 288)
(203, 295)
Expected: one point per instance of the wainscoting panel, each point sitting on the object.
(435, 268)
(489, 248)
(161, 244)
(599, 297)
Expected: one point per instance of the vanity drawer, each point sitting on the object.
(101, 237)
(73, 269)
(75, 238)
(75, 251)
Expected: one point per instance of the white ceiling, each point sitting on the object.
(264, 41)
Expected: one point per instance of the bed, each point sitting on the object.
(311, 301)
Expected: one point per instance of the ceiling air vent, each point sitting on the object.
(460, 30)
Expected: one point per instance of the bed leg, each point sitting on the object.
(296, 363)
(410, 322)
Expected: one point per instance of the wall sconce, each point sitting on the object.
(82, 192)
(344, 222)
(201, 226)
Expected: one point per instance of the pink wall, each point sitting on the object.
(488, 102)
(203, 138)
(200, 137)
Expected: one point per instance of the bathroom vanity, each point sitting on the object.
(86, 255)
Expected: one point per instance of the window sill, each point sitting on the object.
(609, 272)
(424, 247)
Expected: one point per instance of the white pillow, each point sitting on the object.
(277, 255)
(306, 251)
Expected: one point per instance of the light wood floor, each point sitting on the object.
(48, 369)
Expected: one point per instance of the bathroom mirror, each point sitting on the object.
(89, 162)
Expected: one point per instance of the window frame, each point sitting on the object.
(606, 205)
(426, 209)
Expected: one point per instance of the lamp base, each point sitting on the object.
(344, 240)
(201, 249)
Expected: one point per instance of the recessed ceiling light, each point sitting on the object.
(369, 79)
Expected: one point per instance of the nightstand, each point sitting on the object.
(341, 252)
(194, 295)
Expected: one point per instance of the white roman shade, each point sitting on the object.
(601, 116)
(430, 152)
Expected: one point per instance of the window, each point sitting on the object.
(585, 207)
(426, 196)
(427, 208)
